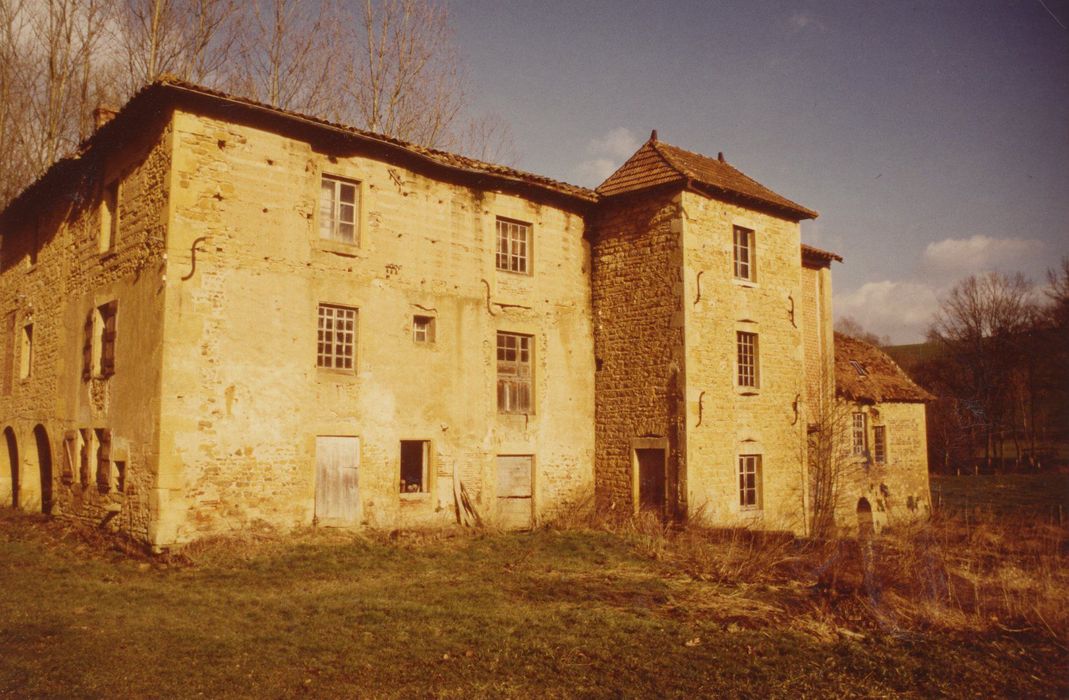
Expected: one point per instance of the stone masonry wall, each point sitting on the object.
(243, 400)
(53, 275)
(723, 419)
(638, 339)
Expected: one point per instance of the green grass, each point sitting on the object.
(545, 614)
(1043, 497)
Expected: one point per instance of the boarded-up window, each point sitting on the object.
(513, 246)
(514, 488)
(109, 217)
(85, 467)
(9, 352)
(108, 318)
(750, 482)
(339, 202)
(103, 439)
(879, 444)
(336, 337)
(70, 457)
(513, 373)
(337, 472)
(415, 476)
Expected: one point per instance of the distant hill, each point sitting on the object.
(909, 356)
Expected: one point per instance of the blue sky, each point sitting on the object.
(933, 137)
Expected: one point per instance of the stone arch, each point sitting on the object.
(9, 485)
(866, 527)
(44, 466)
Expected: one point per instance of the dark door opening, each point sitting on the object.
(13, 457)
(651, 475)
(44, 465)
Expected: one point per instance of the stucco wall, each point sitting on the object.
(69, 278)
(736, 420)
(243, 400)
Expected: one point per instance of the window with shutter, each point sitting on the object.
(108, 315)
(103, 436)
(87, 347)
(85, 470)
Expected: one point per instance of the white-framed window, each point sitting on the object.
(423, 329)
(109, 216)
(744, 253)
(513, 373)
(513, 246)
(415, 466)
(746, 344)
(858, 434)
(879, 444)
(750, 482)
(339, 205)
(336, 337)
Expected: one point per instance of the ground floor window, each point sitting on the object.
(415, 472)
(750, 482)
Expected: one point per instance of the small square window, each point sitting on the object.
(746, 344)
(415, 466)
(513, 246)
(744, 254)
(339, 205)
(423, 329)
(336, 337)
(750, 482)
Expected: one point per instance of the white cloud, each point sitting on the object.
(607, 153)
(954, 257)
(901, 310)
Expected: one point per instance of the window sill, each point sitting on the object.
(325, 245)
(739, 282)
(416, 496)
(335, 375)
(514, 273)
(108, 254)
(747, 390)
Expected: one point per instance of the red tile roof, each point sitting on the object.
(819, 255)
(659, 163)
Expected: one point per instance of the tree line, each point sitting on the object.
(388, 66)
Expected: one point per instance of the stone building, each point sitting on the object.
(219, 313)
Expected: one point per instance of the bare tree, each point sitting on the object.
(830, 461)
(848, 325)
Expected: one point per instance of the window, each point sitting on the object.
(109, 217)
(338, 204)
(415, 477)
(879, 444)
(513, 246)
(26, 351)
(98, 345)
(423, 329)
(103, 441)
(859, 434)
(513, 373)
(744, 254)
(85, 469)
(859, 368)
(750, 482)
(70, 450)
(9, 352)
(336, 348)
(747, 359)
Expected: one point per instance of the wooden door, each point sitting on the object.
(337, 467)
(651, 479)
(514, 502)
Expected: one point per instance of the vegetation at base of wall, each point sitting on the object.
(630, 608)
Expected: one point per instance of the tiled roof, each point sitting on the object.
(809, 251)
(149, 97)
(879, 377)
(658, 163)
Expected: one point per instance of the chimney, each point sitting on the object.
(720, 156)
(653, 135)
(102, 115)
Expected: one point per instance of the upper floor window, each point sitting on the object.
(858, 434)
(423, 329)
(513, 246)
(336, 337)
(513, 373)
(750, 482)
(109, 217)
(747, 359)
(339, 201)
(744, 253)
(26, 351)
(879, 444)
(98, 345)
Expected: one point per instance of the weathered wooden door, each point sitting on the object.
(651, 479)
(337, 467)
(514, 502)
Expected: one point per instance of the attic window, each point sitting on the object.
(859, 368)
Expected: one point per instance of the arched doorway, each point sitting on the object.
(13, 464)
(44, 466)
(866, 528)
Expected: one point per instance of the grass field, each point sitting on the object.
(631, 610)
